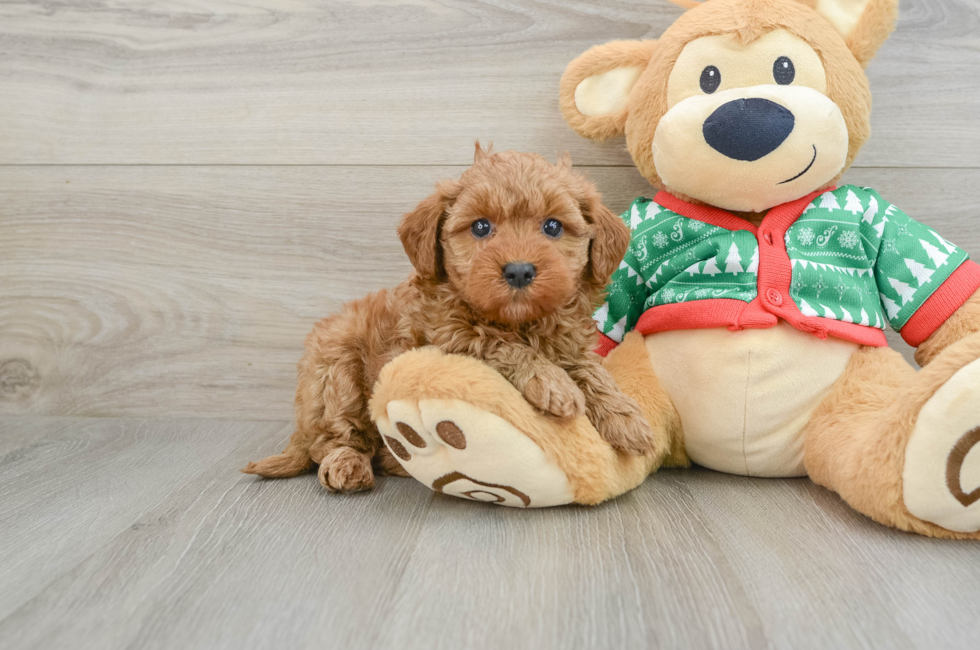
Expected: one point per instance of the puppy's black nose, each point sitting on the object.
(519, 274)
(748, 129)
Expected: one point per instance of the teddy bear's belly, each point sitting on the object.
(744, 397)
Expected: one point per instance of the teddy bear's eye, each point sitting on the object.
(783, 71)
(480, 228)
(710, 79)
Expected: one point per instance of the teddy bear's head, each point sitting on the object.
(740, 104)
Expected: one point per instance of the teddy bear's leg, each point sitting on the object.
(629, 364)
(460, 428)
(904, 447)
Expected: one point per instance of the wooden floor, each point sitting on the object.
(186, 186)
(129, 533)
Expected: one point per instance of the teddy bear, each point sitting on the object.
(747, 317)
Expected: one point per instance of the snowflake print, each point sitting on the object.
(796, 285)
(695, 225)
(660, 240)
(841, 289)
(668, 294)
(848, 239)
(806, 236)
(701, 293)
(820, 286)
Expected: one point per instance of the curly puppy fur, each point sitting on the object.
(540, 337)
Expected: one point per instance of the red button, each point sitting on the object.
(774, 297)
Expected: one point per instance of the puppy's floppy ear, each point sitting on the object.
(595, 87)
(419, 230)
(611, 237)
(864, 24)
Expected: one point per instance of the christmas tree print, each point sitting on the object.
(949, 247)
(938, 257)
(919, 271)
(733, 263)
(904, 290)
(651, 211)
(890, 307)
(853, 204)
(754, 262)
(871, 212)
(601, 315)
(829, 202)
(711, 268)
(864, 317)
(618, 330)
(635, 218)
(880, 227)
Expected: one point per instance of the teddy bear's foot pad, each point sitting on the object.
(941, 479)
(459, 449)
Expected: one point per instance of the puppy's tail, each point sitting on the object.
(293, 461)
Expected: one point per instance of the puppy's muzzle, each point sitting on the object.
(519, 274)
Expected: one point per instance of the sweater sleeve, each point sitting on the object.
(921, 278)
(625, 295)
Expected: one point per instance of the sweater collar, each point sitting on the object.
(778, 219)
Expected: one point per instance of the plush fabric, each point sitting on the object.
(752, 342)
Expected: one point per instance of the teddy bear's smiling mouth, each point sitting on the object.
(805, 170)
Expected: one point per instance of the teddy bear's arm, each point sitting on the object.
(927, 284)
(963, 322)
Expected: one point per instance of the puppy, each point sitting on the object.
(510, 261)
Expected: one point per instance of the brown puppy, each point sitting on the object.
(509, 263)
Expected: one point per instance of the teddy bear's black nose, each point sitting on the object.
(748, 129)
(519, 274)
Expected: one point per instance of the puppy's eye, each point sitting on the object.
(710, 79)
(552, 228)
(481, 228)
(783, 71)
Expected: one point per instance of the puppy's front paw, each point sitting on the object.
(556, 394)
(624, 427)
(346, 470)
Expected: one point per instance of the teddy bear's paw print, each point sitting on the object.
(941, 479)
(459, 449)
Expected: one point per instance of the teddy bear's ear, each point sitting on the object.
(864, 24)
(596, 85)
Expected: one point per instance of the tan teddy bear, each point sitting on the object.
(747, 316)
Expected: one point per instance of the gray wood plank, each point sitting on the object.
(83, 481)
(174, 291)
(823, 576)
(391, 82)
(690, 559)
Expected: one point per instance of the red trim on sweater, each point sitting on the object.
(606, 345)
(705, 213)
(737, 315)
(703, 314)
(949, 297)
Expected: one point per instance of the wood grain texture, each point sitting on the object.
(391, 81)
(186, 291)
(216, 560)
(80, 482)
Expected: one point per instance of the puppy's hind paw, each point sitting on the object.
(346, 470)
(555, 394)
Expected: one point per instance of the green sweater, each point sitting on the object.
(841, 263)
